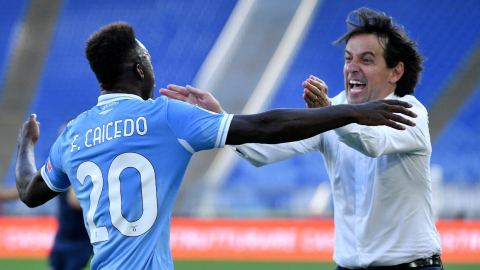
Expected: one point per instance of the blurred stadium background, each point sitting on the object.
(252, 55)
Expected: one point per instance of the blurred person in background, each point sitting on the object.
(380, 177)
(126, 157)
(7, 194)
(71, 249)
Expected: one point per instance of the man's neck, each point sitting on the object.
(114, 91)
(121, 88)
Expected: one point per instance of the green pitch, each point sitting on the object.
(27, 264)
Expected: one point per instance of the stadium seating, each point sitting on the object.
(446, 33)
(10, 23)
(457, 147)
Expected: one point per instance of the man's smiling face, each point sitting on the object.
(367, 76)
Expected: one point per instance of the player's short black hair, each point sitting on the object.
(107, 51)
(396, 44)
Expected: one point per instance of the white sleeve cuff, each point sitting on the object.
(223, 131)
(49, 183)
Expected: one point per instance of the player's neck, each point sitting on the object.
(121, 88)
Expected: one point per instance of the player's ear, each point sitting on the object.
(397, 73)
(139, 71)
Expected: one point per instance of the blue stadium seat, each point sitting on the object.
(457, 148)
(11, 14)
(447, 32)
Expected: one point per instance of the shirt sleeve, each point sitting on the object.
(382, 140)
(52, 172)
(197, 129)
(264, 154)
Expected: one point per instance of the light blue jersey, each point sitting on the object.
(125, 159)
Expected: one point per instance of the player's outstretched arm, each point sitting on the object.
(32, 189)
(284, 125)
(192, 95)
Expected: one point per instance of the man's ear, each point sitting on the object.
(397, 73)
(139, 71)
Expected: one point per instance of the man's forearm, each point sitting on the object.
(25, 168)
(284, 125)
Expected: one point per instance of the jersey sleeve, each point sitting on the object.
(197, 129)
(52, 172)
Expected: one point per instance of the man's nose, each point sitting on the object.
(352, 67)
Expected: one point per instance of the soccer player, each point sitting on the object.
(380, 177)
(125, 158)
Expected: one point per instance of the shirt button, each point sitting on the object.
(360, 220)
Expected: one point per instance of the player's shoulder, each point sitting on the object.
(181, 107)
(137, 106)
(159, 102)
(170, 102)
(75, 121)
(417, 105)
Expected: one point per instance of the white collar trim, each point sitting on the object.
(107, 98)
(390, 96)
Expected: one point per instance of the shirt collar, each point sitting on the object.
(343, 96)
(107, 98)
(391, 96)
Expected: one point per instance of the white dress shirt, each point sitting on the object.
(380, 184)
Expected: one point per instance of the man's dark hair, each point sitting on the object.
(108, 51)
(396, 44)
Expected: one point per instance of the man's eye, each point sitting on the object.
(367, 60)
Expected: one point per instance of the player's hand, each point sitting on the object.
(385, 112)
(193, 96)
(315, 93)
(30, 131)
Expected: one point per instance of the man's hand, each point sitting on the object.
(30, 131)
(192, 95)
(315, 93)
(383, 112)
(32, 189)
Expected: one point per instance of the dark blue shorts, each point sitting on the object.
(70, 255)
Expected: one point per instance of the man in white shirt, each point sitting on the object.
(380, 176)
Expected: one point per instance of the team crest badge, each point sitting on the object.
(49, 166)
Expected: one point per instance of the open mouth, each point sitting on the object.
(356, 86)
